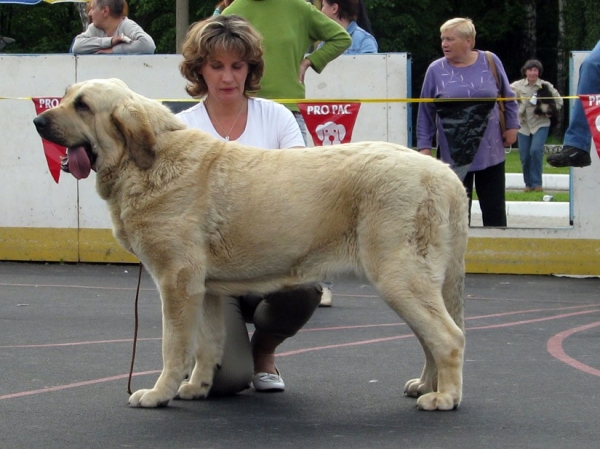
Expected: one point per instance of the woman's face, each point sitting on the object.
(532, 74)
(454, 46)
(225, 75)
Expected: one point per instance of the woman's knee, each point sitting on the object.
(236, 370)
(285, 312)
(231, 379)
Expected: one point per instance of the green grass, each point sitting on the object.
(513, 165)
(512, 195)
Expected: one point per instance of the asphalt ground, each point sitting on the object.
(531, 376)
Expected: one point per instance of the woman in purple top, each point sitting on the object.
(465, 73)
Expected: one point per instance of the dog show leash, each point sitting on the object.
(135, 329)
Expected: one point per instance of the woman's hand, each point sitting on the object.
(509, 137)
(304, 65)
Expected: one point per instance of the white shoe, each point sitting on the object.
(326, 298)
(268, 382)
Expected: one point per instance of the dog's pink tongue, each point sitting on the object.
(79, 162)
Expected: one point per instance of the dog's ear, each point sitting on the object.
(320, 132)
(341, 132)
(133, 122)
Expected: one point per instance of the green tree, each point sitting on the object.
(41, 28)
(505, 27)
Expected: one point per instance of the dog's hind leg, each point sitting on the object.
(452, 292)
(182, 294)
(209, 350)
(417, 298)
(428, 380)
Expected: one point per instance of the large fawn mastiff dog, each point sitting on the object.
(209, 218)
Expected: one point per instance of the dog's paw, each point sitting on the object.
(416, 388)
(148, 399)
(189, 392)
(437, 401)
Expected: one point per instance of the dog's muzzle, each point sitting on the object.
(80, 159)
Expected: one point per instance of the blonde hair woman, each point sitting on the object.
(464, 72)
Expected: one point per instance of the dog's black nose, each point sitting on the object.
(40, 122)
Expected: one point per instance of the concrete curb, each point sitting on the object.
(514, 181)
(530, 209)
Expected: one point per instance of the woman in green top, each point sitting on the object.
(289, 29)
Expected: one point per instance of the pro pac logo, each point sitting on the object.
(52, 151)
(330, 133)
(330, 123)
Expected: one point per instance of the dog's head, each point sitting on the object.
(331, 133)
(102, 123)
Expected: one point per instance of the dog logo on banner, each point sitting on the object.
(591, 106)
(53, 152)
(330, 123)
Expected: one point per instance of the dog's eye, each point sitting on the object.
(80, 105)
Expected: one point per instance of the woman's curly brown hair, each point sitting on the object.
(206, 39)
(530, 64)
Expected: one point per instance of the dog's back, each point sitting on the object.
(304, 213)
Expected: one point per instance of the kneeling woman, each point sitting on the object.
(223, 63)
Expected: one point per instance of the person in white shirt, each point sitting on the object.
(223, 64)
(268, 124)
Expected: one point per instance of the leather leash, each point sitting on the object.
(135, 329)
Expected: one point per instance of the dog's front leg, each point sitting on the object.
(209, 349)
(182, 303)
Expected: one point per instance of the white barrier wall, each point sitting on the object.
(369, 77)
(46, 221)
(573, 250)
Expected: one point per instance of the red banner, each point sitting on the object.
(52, 151)
(591, 106)
(330, 123)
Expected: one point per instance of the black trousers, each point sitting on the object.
(490, 185)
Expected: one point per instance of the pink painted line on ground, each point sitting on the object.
(342, 345)
(74, 385)
(78, 343)
(359, 326)
(517, 312)
(494, 315)
(74, 286)
(535, 320)
(555, 348)
(575, 364)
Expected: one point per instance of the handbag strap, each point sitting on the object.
(495, 72)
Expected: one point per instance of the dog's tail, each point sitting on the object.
(454, 279)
